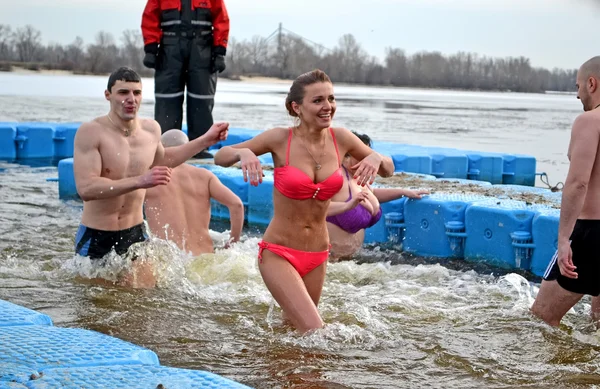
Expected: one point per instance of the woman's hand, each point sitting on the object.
(251, 167)
(415, 194)
(367, 169)
(359, 198)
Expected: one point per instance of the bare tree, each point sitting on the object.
(6, 43)
(132, 49)
(27, 43)
(258, 50)
(397, 66)
(102, 55)
(353, 56)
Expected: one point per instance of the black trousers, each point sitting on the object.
(185, 62)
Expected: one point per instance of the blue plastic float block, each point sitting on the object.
(132, 377)
(67, 190)
(426, 219)
(447, 163)
(545, 237)
(412, 162)
(233, 179)
(35, 140)
(406, 158)
(10, 371)
(239, 135)
(47, 347)
(518, 169)
(8, 133)
(16, 315)
(266, 159)
(64, 139)
(378, 233)
(260, 201)
(485, 167)
(489, 225)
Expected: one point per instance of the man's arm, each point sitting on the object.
(151, 31)
(225, 196)
(175, 156)
(582, 149)
(87, 167)
(220, 26)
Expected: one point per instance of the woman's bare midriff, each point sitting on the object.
(298, 224)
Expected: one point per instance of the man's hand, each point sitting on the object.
(218, 64)
(151, 50)
(158, 175)
(216, 133)
(565, 260)
(150, 60)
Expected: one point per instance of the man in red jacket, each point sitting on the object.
(185, 41)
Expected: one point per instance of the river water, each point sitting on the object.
(392, 321)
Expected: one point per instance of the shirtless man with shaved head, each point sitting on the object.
(180, 211)
(574, 271)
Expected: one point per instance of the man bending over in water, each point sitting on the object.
(116, 157)
(180, 211)
(575, 268)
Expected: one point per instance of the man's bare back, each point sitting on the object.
(180, 211)
(588, 130)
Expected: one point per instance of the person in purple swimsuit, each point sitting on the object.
(355, 208)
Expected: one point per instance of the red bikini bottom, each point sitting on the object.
(303, 261)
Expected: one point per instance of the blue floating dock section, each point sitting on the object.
(495, 168)
(435, 225)
(544, 232)
(32, 140)
(67, 190)
(500, 232)
(131, 377)
(16, 315)
(8, 134)
(35, 354)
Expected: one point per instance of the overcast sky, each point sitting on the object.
(552, 33)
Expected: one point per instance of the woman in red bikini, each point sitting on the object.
(355, 208)
(295, 247)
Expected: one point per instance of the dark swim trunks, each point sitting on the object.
(95, 244)
(585, 241)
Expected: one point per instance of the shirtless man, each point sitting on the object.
(180, 211)
(575, 268)
(116, 157)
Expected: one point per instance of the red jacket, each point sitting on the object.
(152, 32)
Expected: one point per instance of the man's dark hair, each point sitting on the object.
(123, 74)
(366, 139)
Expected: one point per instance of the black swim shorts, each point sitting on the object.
(95, 244)
(585, 242)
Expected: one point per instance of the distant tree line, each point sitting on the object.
(289, 55)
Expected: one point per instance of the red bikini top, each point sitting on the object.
(293, 183)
